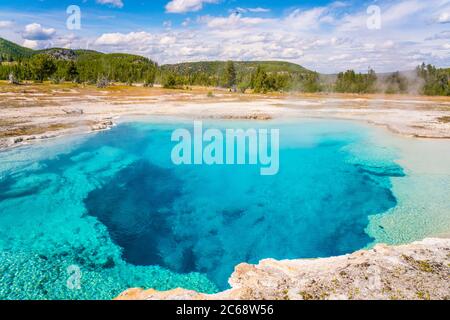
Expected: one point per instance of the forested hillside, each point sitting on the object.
(261, 76)
(86, 66)
(9, 51)
(89, 66)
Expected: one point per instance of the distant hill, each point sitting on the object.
(90, 65)
(216, 67)
(11, 51)
(280, 75)
(16, 52)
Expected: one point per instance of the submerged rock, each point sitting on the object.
(419, 270)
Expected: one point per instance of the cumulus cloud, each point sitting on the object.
(121, 39)
(112, 3)
(290, 53)
(32, 44)
(182, 6)
(328, 39)
(167, 40)
(35, 31)
(339, 57)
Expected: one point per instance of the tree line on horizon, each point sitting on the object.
(101, 69)
(87, 68)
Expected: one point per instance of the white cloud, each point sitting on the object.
(307, 19)
(194, 51)
(6, 24)
(290, 53)
(32, 44)
(35, 31)
(186, 22)
(402, 10)
(252, 10)
(181, 6)
(352, 22)
(258, 10)
(359, 60)
(328, 39)
(339, 57)
(113, 3)
(339, 4)
(121, 39)
(233, 20)
(167, 40)
(388, 44)
(444, 17)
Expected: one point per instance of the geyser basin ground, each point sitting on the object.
(115, 206)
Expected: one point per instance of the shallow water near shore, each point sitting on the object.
(115, 206)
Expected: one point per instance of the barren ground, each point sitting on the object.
(38, 111)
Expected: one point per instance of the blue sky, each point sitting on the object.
(327, 36)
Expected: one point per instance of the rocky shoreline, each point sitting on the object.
(416, 271)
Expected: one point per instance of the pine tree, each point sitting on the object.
(72, 71)
(259, 81)
(230, 75)
(42, 66)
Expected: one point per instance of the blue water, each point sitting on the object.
(115, 205)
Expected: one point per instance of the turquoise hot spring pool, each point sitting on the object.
(115, 206)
